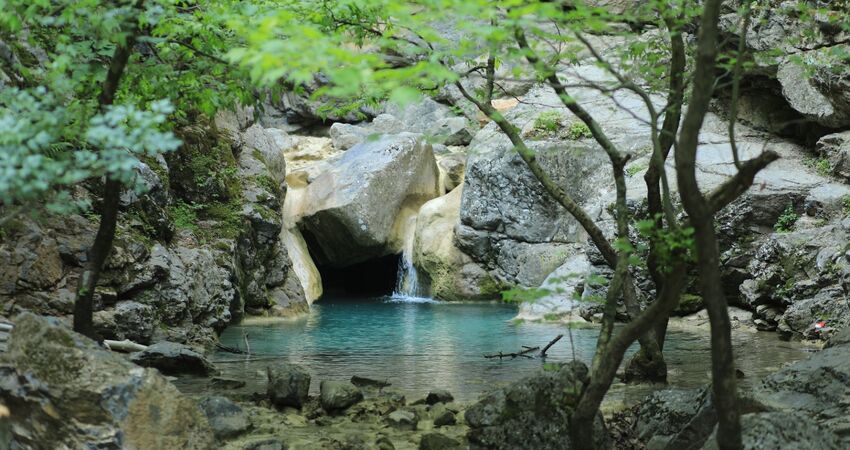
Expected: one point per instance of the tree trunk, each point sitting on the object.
(606, 365)
(701, 214)
(83, 304)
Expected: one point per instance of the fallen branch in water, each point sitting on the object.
(227, 349)
(523, 353)
(550, 344)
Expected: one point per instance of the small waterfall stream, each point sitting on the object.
(407, 283)
(407, 280)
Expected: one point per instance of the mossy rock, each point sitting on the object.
(689, 304)
(203, 169)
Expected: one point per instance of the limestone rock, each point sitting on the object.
(436, 122)
(781, 430)
(452, 275)
(173, 358)
(815, 387)
(836, 147)
(452, 168)
(564, 282)
(338, 395)
(402, 420)
(288, 385)
(531, 413)
(67, 392)
(226, 419)
(668, 411)
(353, 206)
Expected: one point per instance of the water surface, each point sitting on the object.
(421, 345)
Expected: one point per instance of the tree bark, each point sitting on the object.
(83, 304)
(605, 367)
(701, 215)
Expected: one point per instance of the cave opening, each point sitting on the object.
(373, 278)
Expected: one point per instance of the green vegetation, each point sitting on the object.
(548, 123)
(636, 168)
(845, 204)
(786, 220)
(577, 131)
(819, 165)
(185, 216)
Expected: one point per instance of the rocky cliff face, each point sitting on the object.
(199, 249)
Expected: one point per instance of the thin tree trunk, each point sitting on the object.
(83, 304)
(605, 367)
(702, 217)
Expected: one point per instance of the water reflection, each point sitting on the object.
(425, 345)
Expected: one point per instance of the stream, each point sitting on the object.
(419, 344)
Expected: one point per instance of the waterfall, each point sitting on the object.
(407, 279)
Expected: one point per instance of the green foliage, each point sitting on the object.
(548, 122)
(577, 131)
(670, 244)
(820, 165)
(209, 221)
(786, 220)
(185, 216)
(56, 134)
(845, 203)
(636, 168)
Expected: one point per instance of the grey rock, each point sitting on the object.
(815, 387)
(436, 122)
(402, 420)
(836, 148)
(172, 358)
(438, 396)
(68, 392)
(289, 385)
(453, 166)
(127, 320)
(337, 395)
(353, 206)
(531, 413)
(667, 411)
(445, 418)
(226, 419)
(782, 430)
(437, 441)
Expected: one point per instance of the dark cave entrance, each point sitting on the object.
(372, 278)
(375, 277)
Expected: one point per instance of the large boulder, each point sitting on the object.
(352, 208)
(226, 418)
(338, 395)
(435, 121)
(288, 385)
(64, 391)
(450, 273)
(173, 358)
(816, 387)
(531, 413)
(508, 222)
(781, 430)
